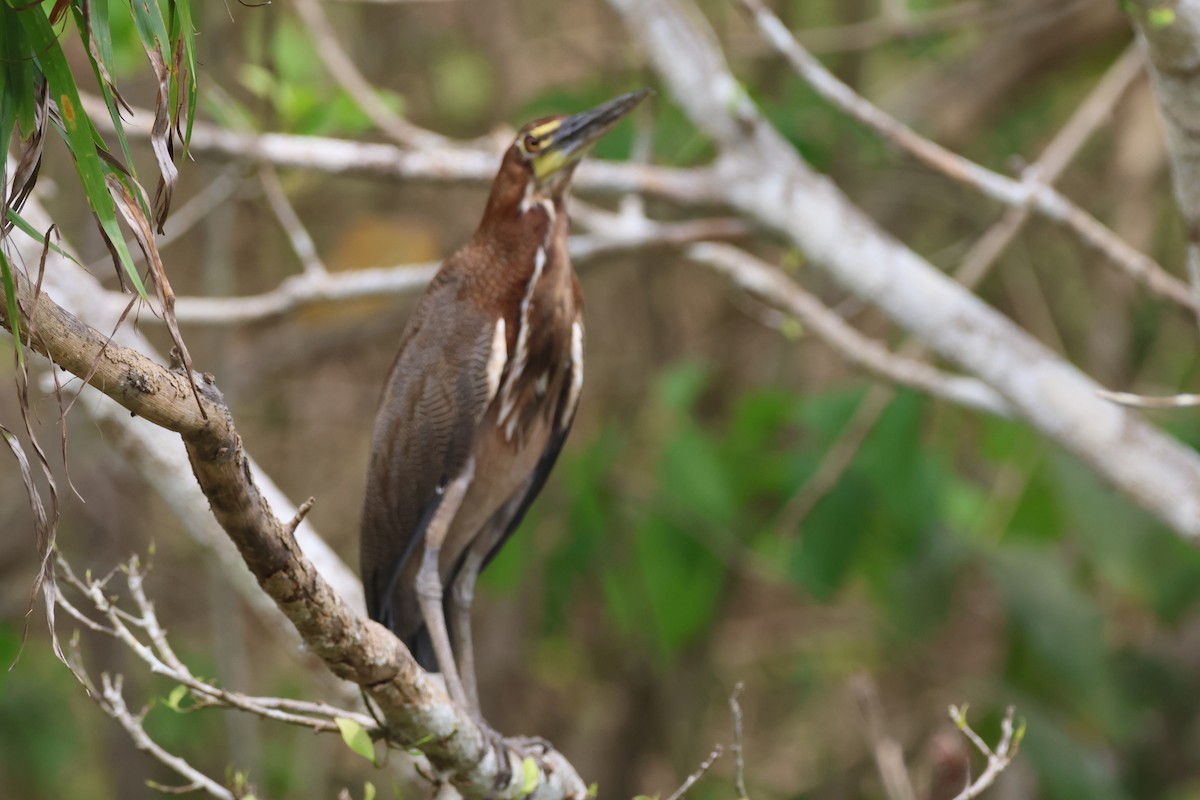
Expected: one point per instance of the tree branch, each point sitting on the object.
(315, 286)
(453, 164)
(415, 708)
(763, 176)
(1030, 192)
(1170, 35)
(769, 283)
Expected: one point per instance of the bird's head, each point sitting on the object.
(548, 149)
(539, 164)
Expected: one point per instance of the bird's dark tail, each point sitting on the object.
(421, 646)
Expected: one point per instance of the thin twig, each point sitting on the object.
(112, 702)
(1148, 401)
(1034, 194)
(1095, 109)
(738, 750)
(310, 288)
(298, 236)
(697, 775)
(1088, 116)
(888, 754)
(162, 660)
(348, 76)
(771, 284)
(883, 29)
(998, 759)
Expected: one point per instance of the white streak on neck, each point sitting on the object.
(521, 356)
(497, 359)
(531, 198)
(576, 372)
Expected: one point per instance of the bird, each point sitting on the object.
(480, 398)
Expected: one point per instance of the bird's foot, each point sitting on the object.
(531, 747)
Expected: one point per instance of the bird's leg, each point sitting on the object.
(461, 595)
(429, 581)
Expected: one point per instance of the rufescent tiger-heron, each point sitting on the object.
(479, 400)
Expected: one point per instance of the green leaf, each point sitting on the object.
(463, 83)
(356, 738)
(1058, 637)
(176, 697)
(695, 477)
(1161, 17)
(682, 579)
(27, 228)
(680, 387)
(97, 38)
(368, 791)
(184, 31)
(530, 774)
(16, 78)
(77, 131)
(832, 536)
(151, 28)
(10, 300)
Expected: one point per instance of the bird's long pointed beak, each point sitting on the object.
(583, 129)
(573, 136)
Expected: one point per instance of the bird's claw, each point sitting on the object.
(532, 747)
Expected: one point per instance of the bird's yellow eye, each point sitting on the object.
(531, 143)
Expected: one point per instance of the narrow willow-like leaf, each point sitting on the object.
(8, 278)
(149, 23)
(183, 32)
(16, 62)
(78, 133)
(152, 30)
(92, 20)
(26, 227)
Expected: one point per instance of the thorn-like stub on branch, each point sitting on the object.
(290, 526)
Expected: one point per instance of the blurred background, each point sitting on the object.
(680, 547)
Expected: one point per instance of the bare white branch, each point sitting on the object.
(317, 286)
(1148, 401)
(889, 755)
(1086, 119)
(998, 759)
(298, 236)
(157, 654)
(773, 286)
(738, 748)
(1030, 192)
(762, 175)
(457, 164)
(113, 703)
(348, 76)
(1170, 34)
(697, 775)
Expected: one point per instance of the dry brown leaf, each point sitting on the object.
(29, 162)
(100, 65)
(45, 543)
(131, 210)
(160, 140)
